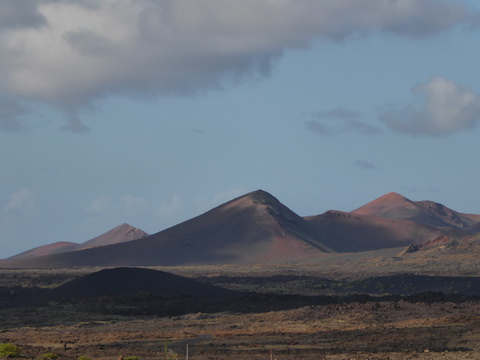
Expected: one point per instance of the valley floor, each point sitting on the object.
(380, 330)
(395, 329)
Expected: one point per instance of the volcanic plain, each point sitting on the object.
(394, 279)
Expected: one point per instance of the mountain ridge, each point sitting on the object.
(118, 234)
(257, 228)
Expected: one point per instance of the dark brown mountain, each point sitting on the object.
(396, 206)
(119, 234)
(254, 228)
(350, 232)
(123, 281)
(257, 228)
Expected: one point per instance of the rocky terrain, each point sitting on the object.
(251, 279)
(279, 312)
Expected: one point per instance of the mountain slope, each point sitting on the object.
(350, 232)
(256, 228)
(253, 228)
(53, 248)
(119, 234)
(396, 206)
(121, 281)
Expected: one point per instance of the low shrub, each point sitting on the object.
(9, 350)
(49, 356)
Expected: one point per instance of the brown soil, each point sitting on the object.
(427, 326)
(384, 330)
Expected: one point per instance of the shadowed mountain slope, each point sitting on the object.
(254, 228)
(349, 232)
(119, 234)
(257, 228)
(123, 281)
(396, 206)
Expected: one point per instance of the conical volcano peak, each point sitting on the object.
(262, 197)
(387, 205)
(392, 198)
(254, 198)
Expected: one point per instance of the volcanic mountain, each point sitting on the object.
(350, 232)
(257, 228)
(396, 206)
(119, 234)
(123, 281)
(254, 228)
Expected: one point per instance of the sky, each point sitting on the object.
(152, 112)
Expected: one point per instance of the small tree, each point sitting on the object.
(8, 350)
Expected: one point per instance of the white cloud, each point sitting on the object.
(447, 107)
(173, 207)
(123, 206)
(102, 204)
(205, 203)
(132, 205)
(227, 195)
(22, 201)
(70, 53)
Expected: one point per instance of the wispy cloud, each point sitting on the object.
(171, 207)
(102, 204)
(338, 121)
(204, 203)
(132, 205)
(364, 164)
(121, 207)
(447, 107)
(145, 47)
(21, 201)
(338, 113)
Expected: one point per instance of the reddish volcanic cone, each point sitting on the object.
(254, 228)
(396, 206)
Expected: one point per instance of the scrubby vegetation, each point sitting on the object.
(9, 350)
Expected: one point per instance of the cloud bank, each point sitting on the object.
(446, 107)
(71, 53)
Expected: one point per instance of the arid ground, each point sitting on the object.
(315, 323)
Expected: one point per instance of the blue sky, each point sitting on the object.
(152, 112)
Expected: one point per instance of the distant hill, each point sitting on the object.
(123, 281)
(350, 232)
(257, 228)
(254, 228)
(396, 206)
(119, 234)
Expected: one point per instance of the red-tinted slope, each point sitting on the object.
(54, 248)
(396, 206)
(254, 228)
(119, 234)
(349, 232)
(257, 228)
